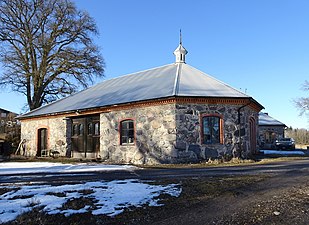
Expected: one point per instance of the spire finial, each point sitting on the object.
(180, 52)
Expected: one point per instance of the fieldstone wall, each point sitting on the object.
(172, 134)
(56, 131)
(235, 143)
(167, 133)
(155, 136)
(268, 135)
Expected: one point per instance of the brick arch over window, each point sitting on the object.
(211, 128)
(127, 132)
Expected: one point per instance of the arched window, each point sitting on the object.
(75, 130)
(127, 132)
(90, 129)
(81, 129)
(97, 129)
(212, 129)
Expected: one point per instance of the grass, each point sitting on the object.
(6, 190)
(79, 203)
(220, 163)
(33, 202)
(58, 194)
(202, 164)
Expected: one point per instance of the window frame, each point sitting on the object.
(121, 135)
(221, 134)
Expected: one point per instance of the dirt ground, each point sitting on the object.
(255, 199)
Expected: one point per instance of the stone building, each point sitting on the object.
(270, 130)
(169, 114)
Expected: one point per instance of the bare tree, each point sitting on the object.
(303, 103)
(47, 49)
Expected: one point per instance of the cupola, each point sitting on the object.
(180, 52)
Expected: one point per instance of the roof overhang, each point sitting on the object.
(250, 102)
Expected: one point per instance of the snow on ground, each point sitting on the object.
(110, 198)
(7, 168)
(277, 152)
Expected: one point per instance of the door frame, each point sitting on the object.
(39, 140)
(85, 144)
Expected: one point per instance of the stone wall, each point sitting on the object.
(268, 135)
(155, 135)
(188, 144)
(56, 131)
(172, 134)
(168, 133)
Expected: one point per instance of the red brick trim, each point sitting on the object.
(150, 103)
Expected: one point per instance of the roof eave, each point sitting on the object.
(81, 110)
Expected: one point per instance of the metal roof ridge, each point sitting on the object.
(177, 79)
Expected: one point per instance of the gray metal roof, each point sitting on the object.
(266, 120)
(177, 79)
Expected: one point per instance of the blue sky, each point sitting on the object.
(258, 46)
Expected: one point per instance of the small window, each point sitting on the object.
(80, 129)
(75, 129)
(97, 129)
(90, 128)
(211, 130)
(127, 132)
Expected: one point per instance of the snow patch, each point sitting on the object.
(7, 168)
(110, 198)
(277, 152)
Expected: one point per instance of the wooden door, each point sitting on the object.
(85, 137)
(42, 141)
(78, 138)
(93, 135)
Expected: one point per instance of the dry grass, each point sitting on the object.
(301, 146)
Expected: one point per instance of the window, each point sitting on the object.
(81, 129)
(211, 130)
(127, 132)
(97, 129)
(90, 128)
(75, 129)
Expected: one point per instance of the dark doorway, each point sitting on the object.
(86, 137)
(42, 141)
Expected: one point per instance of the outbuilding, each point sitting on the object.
(270, 130)
(169, 114)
